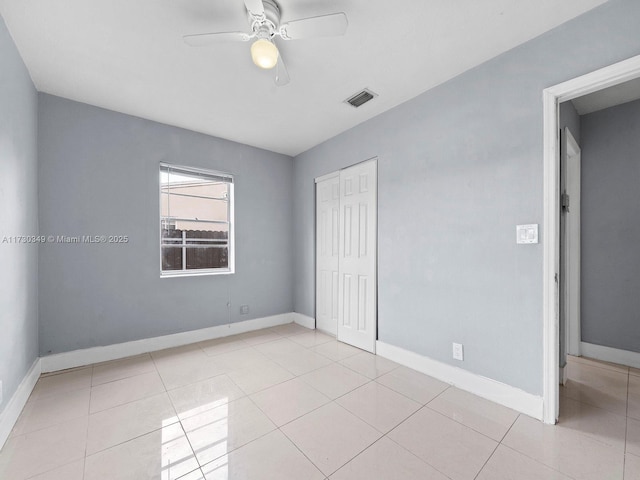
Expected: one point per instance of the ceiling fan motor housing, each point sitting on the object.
(271, 18)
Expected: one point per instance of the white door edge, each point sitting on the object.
(357, 318)
(572, 295)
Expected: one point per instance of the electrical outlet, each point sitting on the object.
(0, 392)
(244, 309)
(458, 351)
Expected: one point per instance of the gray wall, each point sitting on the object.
(18, 216)
(610, 227)
(459, 167)
(98, 175)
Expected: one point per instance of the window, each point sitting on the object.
(196, 221)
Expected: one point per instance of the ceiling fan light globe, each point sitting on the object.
(264, 53)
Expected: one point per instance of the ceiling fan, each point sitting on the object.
(264, 20)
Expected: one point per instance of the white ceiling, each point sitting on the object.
(128, 56)
(608, 97)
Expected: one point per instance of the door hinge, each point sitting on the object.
(564, 202)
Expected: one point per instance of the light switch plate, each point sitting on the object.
(458, 351)
(527, 233)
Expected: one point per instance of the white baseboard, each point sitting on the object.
(608, 354)
(304, 320)
(484, 387)
(9, 416)
(87, 356)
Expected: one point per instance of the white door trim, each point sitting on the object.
(322, 178)
(552, 96)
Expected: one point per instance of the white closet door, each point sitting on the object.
(327, 248)
(357, 256)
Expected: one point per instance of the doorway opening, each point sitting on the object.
(553, 283)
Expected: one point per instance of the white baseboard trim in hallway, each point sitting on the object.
(87, 356)
(9, 416)
(608, 354)
(304, 321)
(484, 387)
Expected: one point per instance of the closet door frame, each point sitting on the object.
(356, 322)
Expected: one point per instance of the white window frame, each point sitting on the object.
(231, 237)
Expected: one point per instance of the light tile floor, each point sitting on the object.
(288, 403)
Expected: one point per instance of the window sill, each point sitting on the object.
(200, 273)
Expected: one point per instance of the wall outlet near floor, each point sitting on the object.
(244, 309)
(458, 351)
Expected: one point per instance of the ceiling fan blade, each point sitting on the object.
(254, 6)
(282, 76)
(332, 25)
(202, 39)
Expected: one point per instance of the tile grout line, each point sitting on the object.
(359, 453)
(365, 421)
(354, 370)
(352, 458)
(593, 363)
(496, 447)
(129, 378)
(312, 370)
(130, 401)
(556, 426)
(438, 395)
(300, 450)
(56, 423)
(407, 396)
(459, 423)
(509, 429)
(422, 405)
(123, 378)
(570, 477)
(175, 411)
(298, 417)
(136, 436)
(335, 400)
(486, 461)
(591, 405)
(386, 435)
(178, 420)
(279, 427)
(193, 450)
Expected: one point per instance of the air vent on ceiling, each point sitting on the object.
(361, 98)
